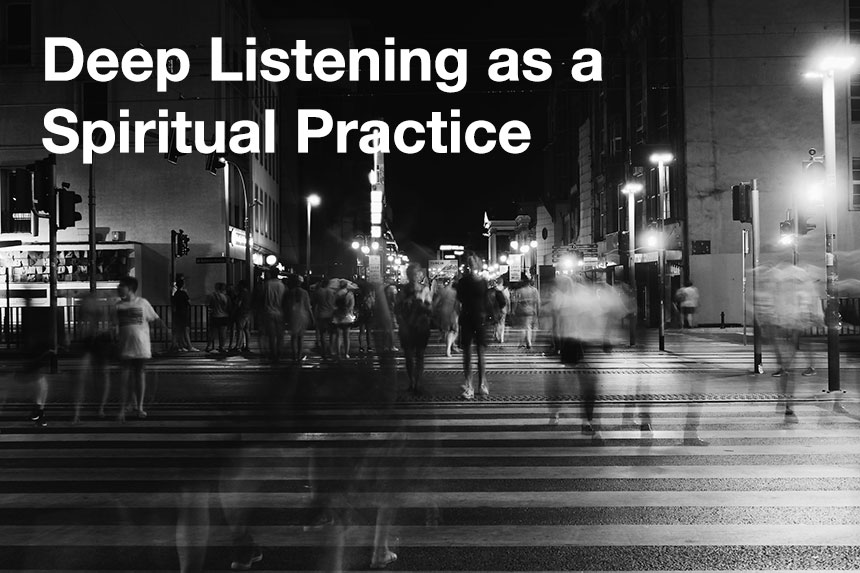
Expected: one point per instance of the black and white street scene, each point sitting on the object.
(476, 286)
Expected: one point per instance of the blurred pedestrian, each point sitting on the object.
(242, 312)
(323, 306)
(365, 300)
(300, 316)
(133, 315)
(344, 316)
(219, 305)
(181, 307)
(39, 353)
(526, 301)
(472, 295)
(446, 307)
(414, 312)
(688, 300)
(271, 305)
(98, 341)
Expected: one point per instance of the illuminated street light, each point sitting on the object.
(515, 245)
(313, 200)
(365, 249)
(355, 245)
(631, 189)
(827, 68)
(661, 159)
(271, 260)
(503, 259)
(524, 249)
(374, 245)
(533, 244)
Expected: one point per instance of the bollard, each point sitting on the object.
(722, 319)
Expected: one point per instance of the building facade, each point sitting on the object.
(720, 86)
(140, 198)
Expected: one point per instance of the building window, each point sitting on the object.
(854, 205)
(16, 35)
(854, 38)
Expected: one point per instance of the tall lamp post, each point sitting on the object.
(661, 159)
(827, 69)
(249, 212)
(313, 200)
(631, 189)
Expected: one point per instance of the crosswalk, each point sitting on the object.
(472, 486)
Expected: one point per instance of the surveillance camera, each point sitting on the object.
(812, 152)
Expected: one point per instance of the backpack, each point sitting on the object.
(500, 300)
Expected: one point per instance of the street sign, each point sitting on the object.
(515, 264)
(439, 268)
(374, 268)
(585, 251)
(210, 260)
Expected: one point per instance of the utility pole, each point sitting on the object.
(756, 233)
(52, 291)
(92, 226)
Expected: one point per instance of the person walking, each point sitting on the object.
(242, 317)
(472, 295)
(219, 305)
(688, 301)
(343, 318)
(526, 308)
(271, 313)
(324, 298)
(414, 312)
(447, 311)
(133, 315)
(181, 307)
(300, 316)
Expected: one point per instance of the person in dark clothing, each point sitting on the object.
(472, 294)
(414, 314)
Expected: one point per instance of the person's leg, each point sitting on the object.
(192, 530)
(105, 376)
(382, 554)
(85, 374)
(140, 376)
(346, 332)
(222, 335)
(125, 382)
(419, 365)
(466, 343)
(409, 352)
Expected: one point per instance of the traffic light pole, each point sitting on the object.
(52, 288)
(756, 234)
(92, 227)
(832, 311)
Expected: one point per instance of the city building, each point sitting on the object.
(140, 198)
(720, 87)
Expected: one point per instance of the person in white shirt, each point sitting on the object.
(133, 316)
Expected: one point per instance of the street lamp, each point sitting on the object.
(827, 68)
(249, 212)
(661, 159)
(631, 189)
(313, 200)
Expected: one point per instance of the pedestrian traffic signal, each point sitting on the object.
(214, 162)
(173, 154)
(21, 195)
(181, 244)
(43, 182)
(741, 210)
(803, 224)
(67, 213)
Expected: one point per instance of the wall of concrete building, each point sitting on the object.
(750, 114)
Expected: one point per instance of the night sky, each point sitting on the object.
(440, 198)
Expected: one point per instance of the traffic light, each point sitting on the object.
(173, 154)
(67, 213)
(181, 244)
(803, 224)
(741, 210)
(43, 182)
(21, 196)
(214, 162)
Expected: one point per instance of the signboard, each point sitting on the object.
(374, 268)
(515, 264)
(439, 268)
(211, 260)
(585, 251)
